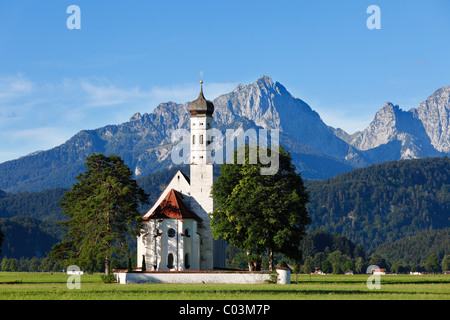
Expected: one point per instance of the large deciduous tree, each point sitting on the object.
(260, 213)
(102, 208)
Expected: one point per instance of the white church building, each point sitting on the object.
(176, 235)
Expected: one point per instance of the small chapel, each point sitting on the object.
(176, 233)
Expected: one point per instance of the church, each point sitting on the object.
(176, 233)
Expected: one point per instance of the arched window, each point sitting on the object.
(170, 261)
(187, 232)
(171, 233)
(187, 261)
(193, 139)
(201, 139)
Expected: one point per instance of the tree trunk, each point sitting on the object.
(107, 267)
(250, 265)
(271, 259)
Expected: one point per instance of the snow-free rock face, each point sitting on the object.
(396, 134)
(434, 113)
(271, 106)
(381, 130)
(318, 151)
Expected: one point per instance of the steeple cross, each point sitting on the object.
(201, 77)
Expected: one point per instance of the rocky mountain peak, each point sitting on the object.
(381, 130)
(434, 113)
(144, 143)
(135, 117)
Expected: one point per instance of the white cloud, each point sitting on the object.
(40, 137)
(38, 116)
(109, 95)
(106, 94)
(14, 86)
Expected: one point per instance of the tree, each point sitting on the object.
(4, 266)
(326, 266)
(260, 213)
(360, 265)
(102, 208)
(432, 264)
(1, 240)
(446, 263)
(308, 266)
(13, 265)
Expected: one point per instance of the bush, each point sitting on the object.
(273, 278)
(109, 278)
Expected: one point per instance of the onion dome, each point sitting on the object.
(201, 105)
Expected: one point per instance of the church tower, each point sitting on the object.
(176, 235)
(201, 175)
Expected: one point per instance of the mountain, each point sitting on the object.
(416, 249)
(28, 237)
(383, 202)
(434, 113)
(270, 105)
(144, 142)
(396, 134)
(370, 206)
(318, 151)
(42, 205)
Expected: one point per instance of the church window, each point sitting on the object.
(187, 233)
(170, 261)
(171, 232)
(187, 261)
(193, 139)
(201, 139)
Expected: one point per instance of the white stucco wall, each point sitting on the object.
(192, 277)
(157, 249)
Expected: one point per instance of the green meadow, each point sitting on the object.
(53, 286)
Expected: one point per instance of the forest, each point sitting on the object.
(397, 211)
(383, 202)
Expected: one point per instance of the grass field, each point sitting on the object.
(46, 286)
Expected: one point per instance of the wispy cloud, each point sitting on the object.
(110, 95)
(14, 86)
(420, 62)
(38, 116)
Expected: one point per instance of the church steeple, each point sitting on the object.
(201, 176)
(201, 106)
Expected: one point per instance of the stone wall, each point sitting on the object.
(124, 277)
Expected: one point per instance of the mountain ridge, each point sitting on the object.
(318, 151)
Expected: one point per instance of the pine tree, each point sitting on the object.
(102, 208)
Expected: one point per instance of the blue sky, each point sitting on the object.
(131, 55)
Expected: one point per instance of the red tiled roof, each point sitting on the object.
(173, 207)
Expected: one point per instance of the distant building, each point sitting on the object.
(379, 271)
